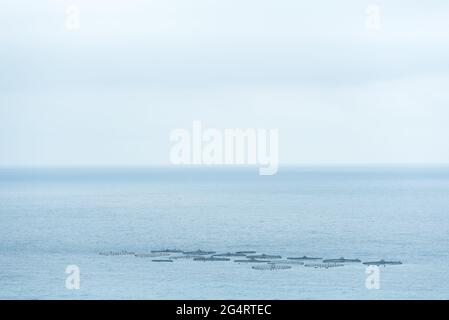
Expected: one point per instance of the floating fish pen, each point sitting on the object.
(150, 255)
(229, 254)
(199, 252)
(167, 251)
(323, 265)
(295, 262)
(187, 256)
(251, 261)
(204, 259)
(342, 260)
(117, 253)
(162, 260)
(271, 267)
(382, 263)
(304, 258)
(264, 256)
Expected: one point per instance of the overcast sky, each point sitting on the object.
(110, 92)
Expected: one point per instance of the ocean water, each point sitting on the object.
(52, 218)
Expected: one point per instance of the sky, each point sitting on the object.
(110, 92)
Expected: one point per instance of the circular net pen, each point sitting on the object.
(323, 265)
(271, 267)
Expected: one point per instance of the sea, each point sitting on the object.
(55, 219)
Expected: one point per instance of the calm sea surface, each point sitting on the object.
(51, 218)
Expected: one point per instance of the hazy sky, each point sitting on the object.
(111, 92)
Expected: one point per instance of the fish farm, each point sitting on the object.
(251, 258)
